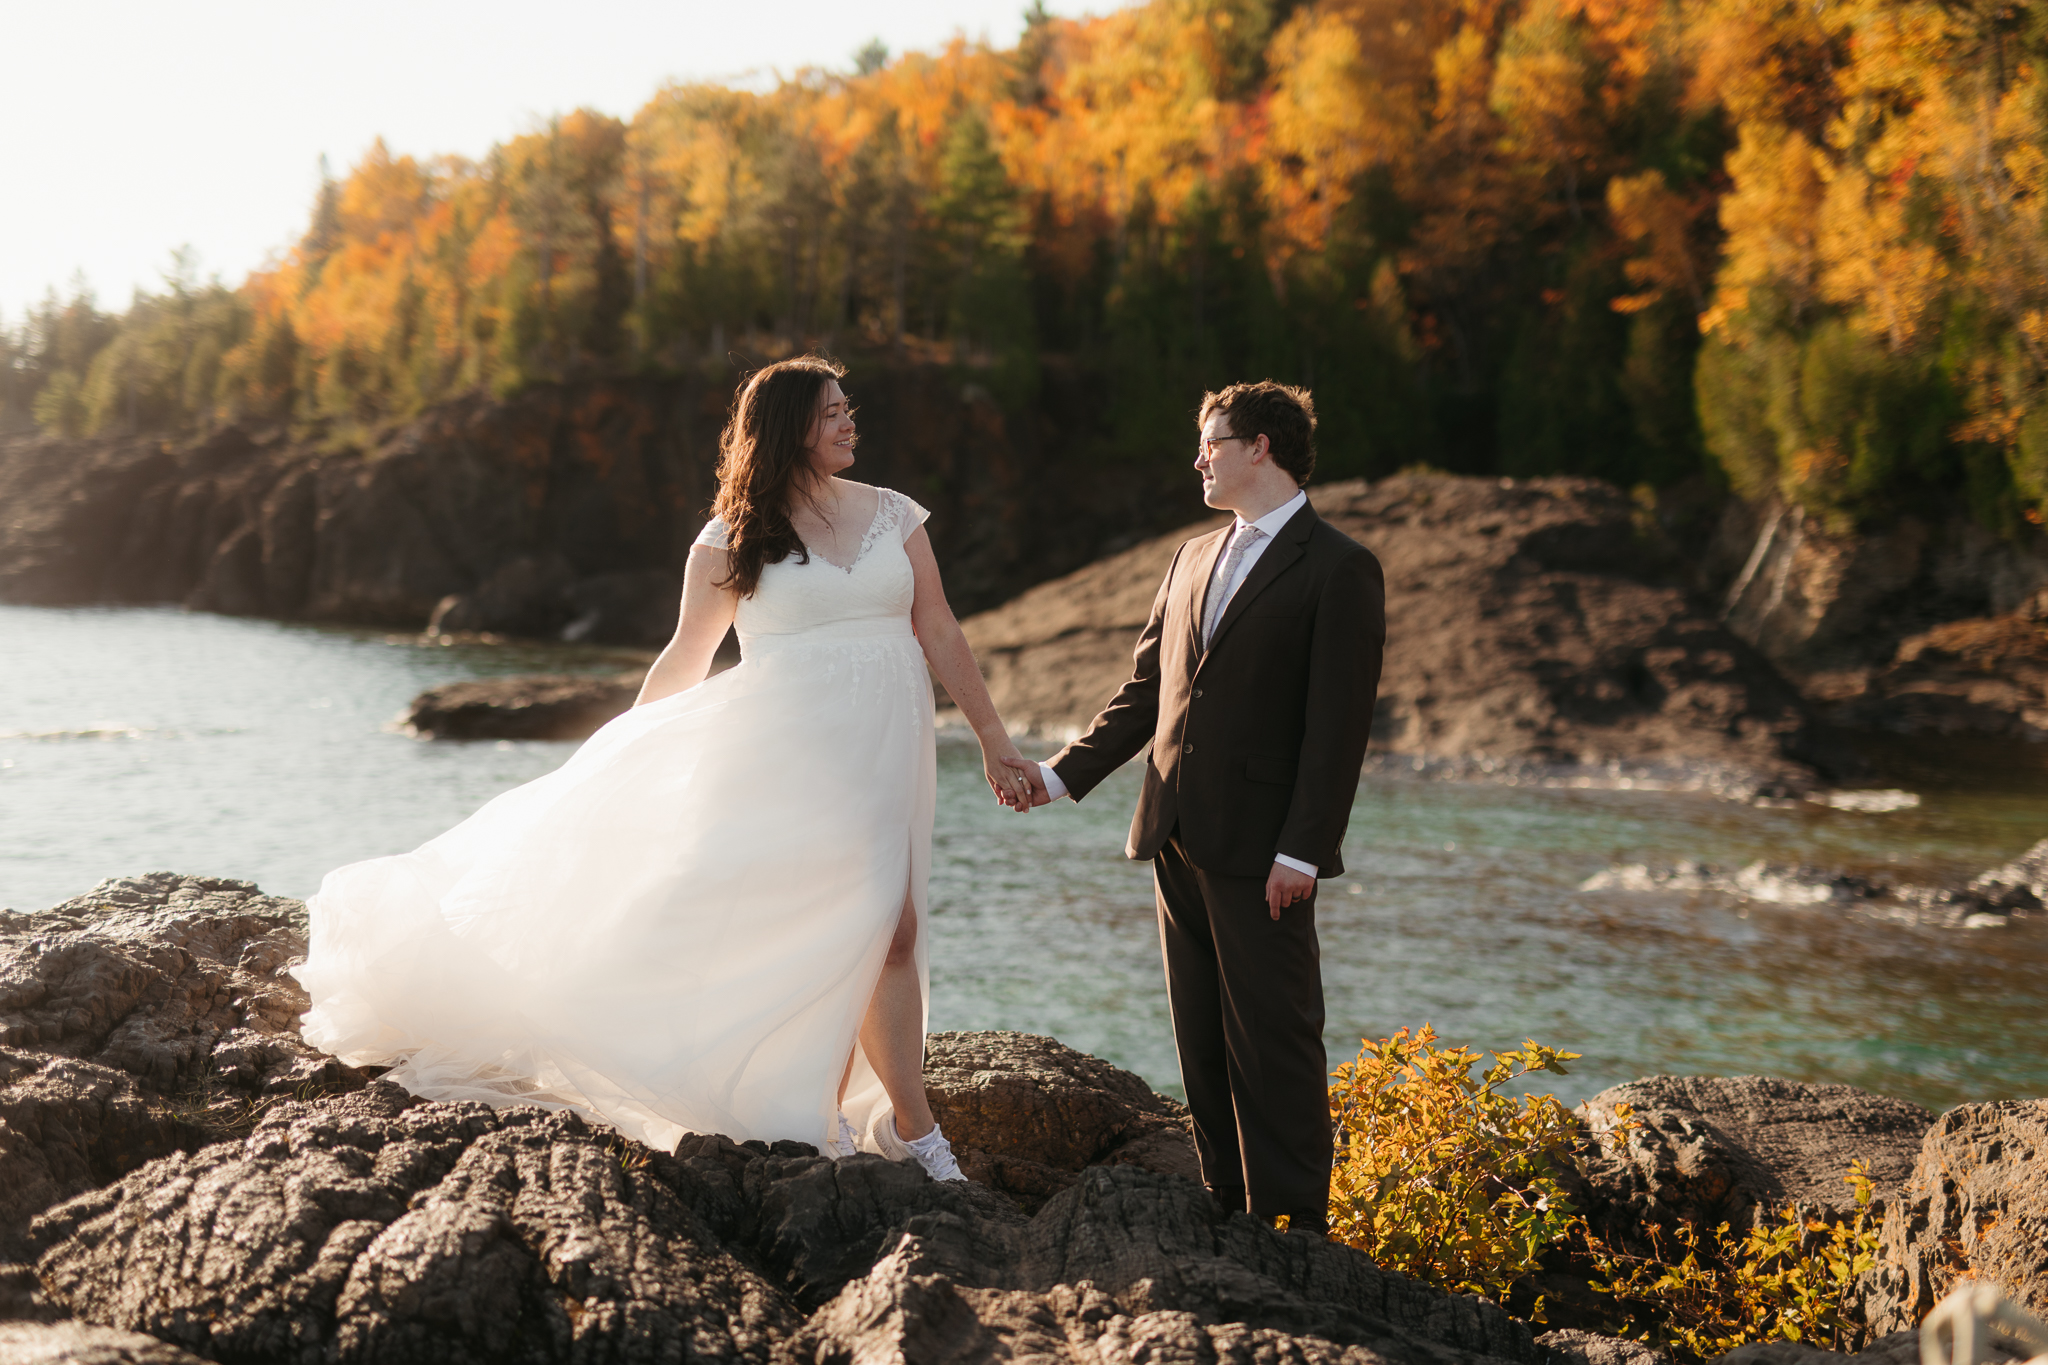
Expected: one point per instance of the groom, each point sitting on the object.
(1252, 699)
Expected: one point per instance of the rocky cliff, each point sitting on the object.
(1930, 627)
(564, 510)
(1531, 623)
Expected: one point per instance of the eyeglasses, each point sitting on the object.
(1206, 445)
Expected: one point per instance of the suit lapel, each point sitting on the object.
(1200, 571)
(1289, 545)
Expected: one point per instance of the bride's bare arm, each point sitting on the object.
(706, 616)
(945, 649)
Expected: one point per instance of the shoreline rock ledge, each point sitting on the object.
(182, 1178)
(185, 1178)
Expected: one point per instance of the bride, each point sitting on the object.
(711, 919)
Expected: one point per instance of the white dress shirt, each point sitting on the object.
(1270, 524)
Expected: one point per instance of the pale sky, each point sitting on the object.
(128, 129)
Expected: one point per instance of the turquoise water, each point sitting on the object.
(138, 739)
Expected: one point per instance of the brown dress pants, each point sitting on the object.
(1247, 999)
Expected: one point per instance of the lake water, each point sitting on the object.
(141, 739)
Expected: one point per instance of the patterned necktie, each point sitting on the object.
(1219, 587)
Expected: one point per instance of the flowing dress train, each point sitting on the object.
(680, 929)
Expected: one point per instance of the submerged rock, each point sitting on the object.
(1538, 636)
(1739, 1149)
(529, 706)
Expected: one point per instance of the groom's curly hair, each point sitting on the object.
(1283, 414)
(764, 463)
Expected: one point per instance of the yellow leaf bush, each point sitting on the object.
(1444, 1175)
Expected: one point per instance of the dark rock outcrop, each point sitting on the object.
(1535, 627)
(234, 1195)
(1975, 1207)
(529, 706)
(1738, 1149)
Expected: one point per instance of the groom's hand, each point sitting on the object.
(1039, 795)
(1285, 886)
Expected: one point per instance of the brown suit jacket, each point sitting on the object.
(1254, 746)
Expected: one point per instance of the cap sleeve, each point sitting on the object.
(714, 535)
(909, 516)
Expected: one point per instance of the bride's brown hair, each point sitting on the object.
(764, 464)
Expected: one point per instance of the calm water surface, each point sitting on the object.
(132, 740)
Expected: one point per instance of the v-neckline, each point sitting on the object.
(860, 547)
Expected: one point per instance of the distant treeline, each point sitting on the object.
(1801, 247)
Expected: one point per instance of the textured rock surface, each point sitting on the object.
(1532, 623)
(1728, 1148)
(377, 1227)
(530, 706)
(1975, 1207)
(235, 1196)
(1026, 1113)
(139, 1019)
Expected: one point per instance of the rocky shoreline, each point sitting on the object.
(183, 1178)
(1555, 627)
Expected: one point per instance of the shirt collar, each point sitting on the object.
(1269, 525)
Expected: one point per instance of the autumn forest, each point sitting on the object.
(1790, 249)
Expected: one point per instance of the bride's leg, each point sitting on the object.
(893, 1033)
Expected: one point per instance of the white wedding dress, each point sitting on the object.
(680, 929)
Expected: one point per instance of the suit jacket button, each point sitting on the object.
(1198, 691)
(1187, 748)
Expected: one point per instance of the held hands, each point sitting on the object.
(1034, 779)
(1006, 772)
(1285, 886)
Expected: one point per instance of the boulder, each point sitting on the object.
(1739, 1149)
(1536, 629)
(1026, 1113)
(556, 706)
(1975, 1207)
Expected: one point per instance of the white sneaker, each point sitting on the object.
(846, 1144)
(931, 1151)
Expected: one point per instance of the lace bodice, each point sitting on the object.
(872, 595)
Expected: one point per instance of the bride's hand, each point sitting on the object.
(1006, 778)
